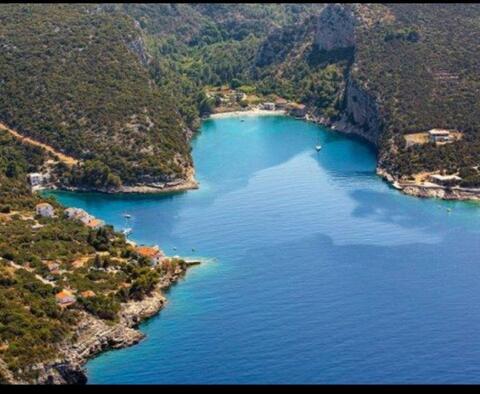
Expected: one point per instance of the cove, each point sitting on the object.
(320, 272)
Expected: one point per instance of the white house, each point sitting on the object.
(44, 209)
(445, 180)
(84, 217)
(439, 135)
(75, 213)
(269, 106)
(35, 178)
(38, 179)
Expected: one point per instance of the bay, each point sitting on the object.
(317, 271)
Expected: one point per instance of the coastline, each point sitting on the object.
(410, 188)
(169, 187)
(92, 335)
(430, 191)
(95, 336)
(249, 112)
(345, 127)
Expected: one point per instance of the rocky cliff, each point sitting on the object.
(335, 31)
(93, 336)
(362, 112)
(335, 28)
(137, 46)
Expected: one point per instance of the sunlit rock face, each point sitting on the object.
(335, 28)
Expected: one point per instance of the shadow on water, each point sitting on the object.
(239, 150)
(433, 215)
(309, 289)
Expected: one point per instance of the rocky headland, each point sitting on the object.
(93, 336)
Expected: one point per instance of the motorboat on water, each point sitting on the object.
(318, 147)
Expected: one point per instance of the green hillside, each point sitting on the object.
(420, 63)
(32, 324)
(70, 80)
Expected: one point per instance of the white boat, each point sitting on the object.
(127, 216)
(318, 147)
(127, 231)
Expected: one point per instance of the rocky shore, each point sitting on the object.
(431, 191)
(93, 336)
(175, 186)
(189, 183)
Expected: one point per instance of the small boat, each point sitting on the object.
(127, 216)
(318, 147)
(127, 231)
(449, 210)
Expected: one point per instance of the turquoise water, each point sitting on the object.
(321, 272)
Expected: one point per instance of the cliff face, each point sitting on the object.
(335, 28)
(335, 31)
(361, 110)
(137, 46)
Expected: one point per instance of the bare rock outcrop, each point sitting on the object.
(335, 28)
(361, 110)
(137, 46)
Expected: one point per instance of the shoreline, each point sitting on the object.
(95, 336)
(343, 126)
(249, 112)
(414, 189)
(179, 186)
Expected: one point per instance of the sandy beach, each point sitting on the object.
(250, 112)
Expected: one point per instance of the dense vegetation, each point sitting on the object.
(72, 78)
(118, 87)
(419, 61)
(200, 45)
(84, 259)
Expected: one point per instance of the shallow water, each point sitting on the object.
(322, 273)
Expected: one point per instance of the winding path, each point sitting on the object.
(68, 160)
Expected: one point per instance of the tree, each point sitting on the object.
(235, 83)
(11, 171)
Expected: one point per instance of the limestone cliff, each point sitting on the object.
(361, 111)
(335, 31)
(335, 28)
(137, 46)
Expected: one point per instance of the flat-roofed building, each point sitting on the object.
(445, 180)
(439, 135)
(45, 210)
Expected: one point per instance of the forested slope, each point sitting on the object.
(41, 256)
(420, 63)
(71, 78)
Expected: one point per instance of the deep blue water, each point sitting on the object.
(322, 272)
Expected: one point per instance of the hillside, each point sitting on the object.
(73, 78)
(419, 63)
(116, 91)
(39, 257)
(414, 66)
